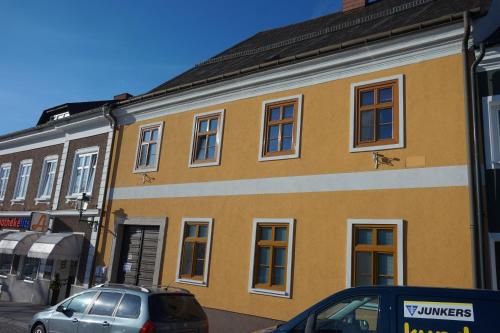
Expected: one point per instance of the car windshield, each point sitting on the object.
(175, 308)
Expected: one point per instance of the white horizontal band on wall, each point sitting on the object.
(449, 176)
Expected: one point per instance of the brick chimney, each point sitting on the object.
(122, 97)
(348, 5)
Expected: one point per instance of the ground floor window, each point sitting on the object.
(194, 250)
(375, 251)
(272, 247)
(6, 263)
(47, 269)
(30, 268)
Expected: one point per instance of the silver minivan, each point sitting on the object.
(126, 309)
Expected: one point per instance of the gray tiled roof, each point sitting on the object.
(334, 29)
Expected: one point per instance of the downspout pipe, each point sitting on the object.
(470, 150)
(478, 193)
(107, 112)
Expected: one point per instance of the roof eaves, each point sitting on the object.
(51, 124)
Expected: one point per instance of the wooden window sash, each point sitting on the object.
(147, 143)
(375, 250)
(198, 135)
(280, 123)
(272, 245)
(375, 107)
(196, 242)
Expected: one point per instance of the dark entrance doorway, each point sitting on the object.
(138, 255)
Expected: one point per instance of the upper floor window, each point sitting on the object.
(377, 115)
(22, 181)
(272, 256)
(206, 139)
(280, 132)
(84, 168)
(47, 177)
(148, 148)
(195, 250)
(4, 178)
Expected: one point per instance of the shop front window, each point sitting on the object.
(47, 270)
(5, 263)
(30, 268)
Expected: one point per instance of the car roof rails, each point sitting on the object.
(123, 286)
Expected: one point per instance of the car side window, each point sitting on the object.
(105, 304)
(79, 303)
(130, 307)
(353, 315)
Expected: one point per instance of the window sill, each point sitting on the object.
(17, 202)
(74, 197)
(268, 292)
(278, 157)
(42, 201)
(203, 164)
(29, 281)
(144, 170)
(192, 282)
(375, 148)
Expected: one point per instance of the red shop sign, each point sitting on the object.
(15, 222)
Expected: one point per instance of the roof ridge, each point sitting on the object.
(334, 28)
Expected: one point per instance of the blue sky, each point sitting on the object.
(58, 51)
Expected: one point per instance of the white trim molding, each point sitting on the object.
(409, 49)
(491, 125)
(178, 278)
(400, 246)
(494, 261)
(7, 165)
(297, 128)
(220, 133)
(450, 176)
(15, 197)
(46, 199)
(491, 60)
(82, 151)
(288, 282)
(154, 168)
(59, 133)
(401, 119)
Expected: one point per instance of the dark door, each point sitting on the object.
(138, 255)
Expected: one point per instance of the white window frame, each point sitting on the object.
(204, 282)
(298, 129)
(2, 167)
(493, 107)
(288, 283)
(494, 238)
(220, 127)
(400, 243)
(78, 153)
(16, 197)
(46, 160)
(136, 168)
(352, 117)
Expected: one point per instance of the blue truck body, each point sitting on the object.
(401, 310)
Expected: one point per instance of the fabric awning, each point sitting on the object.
(4, 233)
(57, 246)
(18, 242)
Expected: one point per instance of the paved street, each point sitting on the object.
(14, 317)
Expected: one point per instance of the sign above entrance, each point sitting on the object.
(39, 222)
(21, 223)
